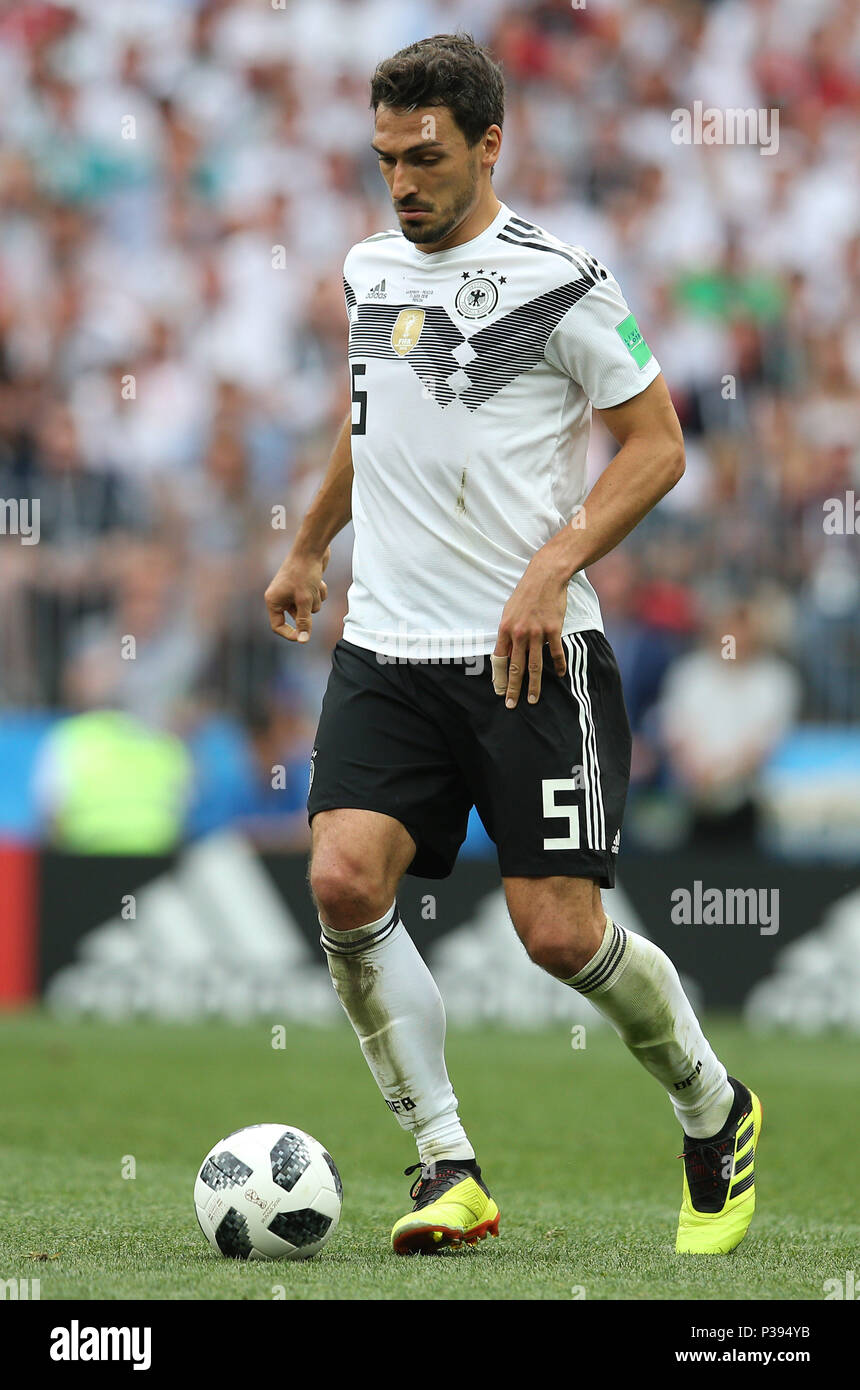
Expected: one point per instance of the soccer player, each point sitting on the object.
(473, 668)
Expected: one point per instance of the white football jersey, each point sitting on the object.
(473, 374)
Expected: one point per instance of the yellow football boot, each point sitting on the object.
(452, 1208)
(719, 1181)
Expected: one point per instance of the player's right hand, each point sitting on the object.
(297, 590)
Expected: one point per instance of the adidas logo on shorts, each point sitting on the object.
(616, 842)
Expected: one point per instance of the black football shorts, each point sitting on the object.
(424, 741)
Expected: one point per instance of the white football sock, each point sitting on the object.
(636, 987)
(391, 1000)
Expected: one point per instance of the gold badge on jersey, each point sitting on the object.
(407, 330)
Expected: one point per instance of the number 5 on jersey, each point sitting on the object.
(359, 398)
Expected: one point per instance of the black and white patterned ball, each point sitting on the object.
(268, 1192)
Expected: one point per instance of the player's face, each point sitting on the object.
(433, 175)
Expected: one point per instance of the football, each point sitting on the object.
(268, 1192)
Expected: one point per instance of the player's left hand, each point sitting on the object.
(533, 615)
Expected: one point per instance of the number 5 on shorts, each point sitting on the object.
(551, 785)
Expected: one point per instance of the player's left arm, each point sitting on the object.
(648, 464)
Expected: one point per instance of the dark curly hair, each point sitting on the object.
(447, 70)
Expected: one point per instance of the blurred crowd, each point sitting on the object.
(179, 183)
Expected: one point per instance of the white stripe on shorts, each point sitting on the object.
(577, 669)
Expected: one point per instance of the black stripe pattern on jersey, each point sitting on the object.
(349, 294)
(431, 359)
(517, 232)
(515, 343)
(503, 351)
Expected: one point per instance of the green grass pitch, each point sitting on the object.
(577, 1146)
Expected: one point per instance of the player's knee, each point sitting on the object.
(348, 893)
(561, 948)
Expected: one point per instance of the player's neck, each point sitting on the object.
(478, 220)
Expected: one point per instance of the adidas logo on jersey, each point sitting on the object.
(378, 291)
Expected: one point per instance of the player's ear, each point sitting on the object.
(492, 145)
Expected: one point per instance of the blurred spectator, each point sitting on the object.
(724, 709)
(146, 657)
(273, 809)
(647, 626)
(105, 783)
(254, 775)
(85, 517)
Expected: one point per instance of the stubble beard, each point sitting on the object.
(422, 235)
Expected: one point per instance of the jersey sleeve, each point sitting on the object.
(598, 343)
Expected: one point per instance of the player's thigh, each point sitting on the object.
(357, 860)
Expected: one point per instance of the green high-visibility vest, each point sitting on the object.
(124, 786)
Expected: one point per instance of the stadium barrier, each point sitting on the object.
(222, 930)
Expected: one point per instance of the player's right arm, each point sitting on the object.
(298, 589)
